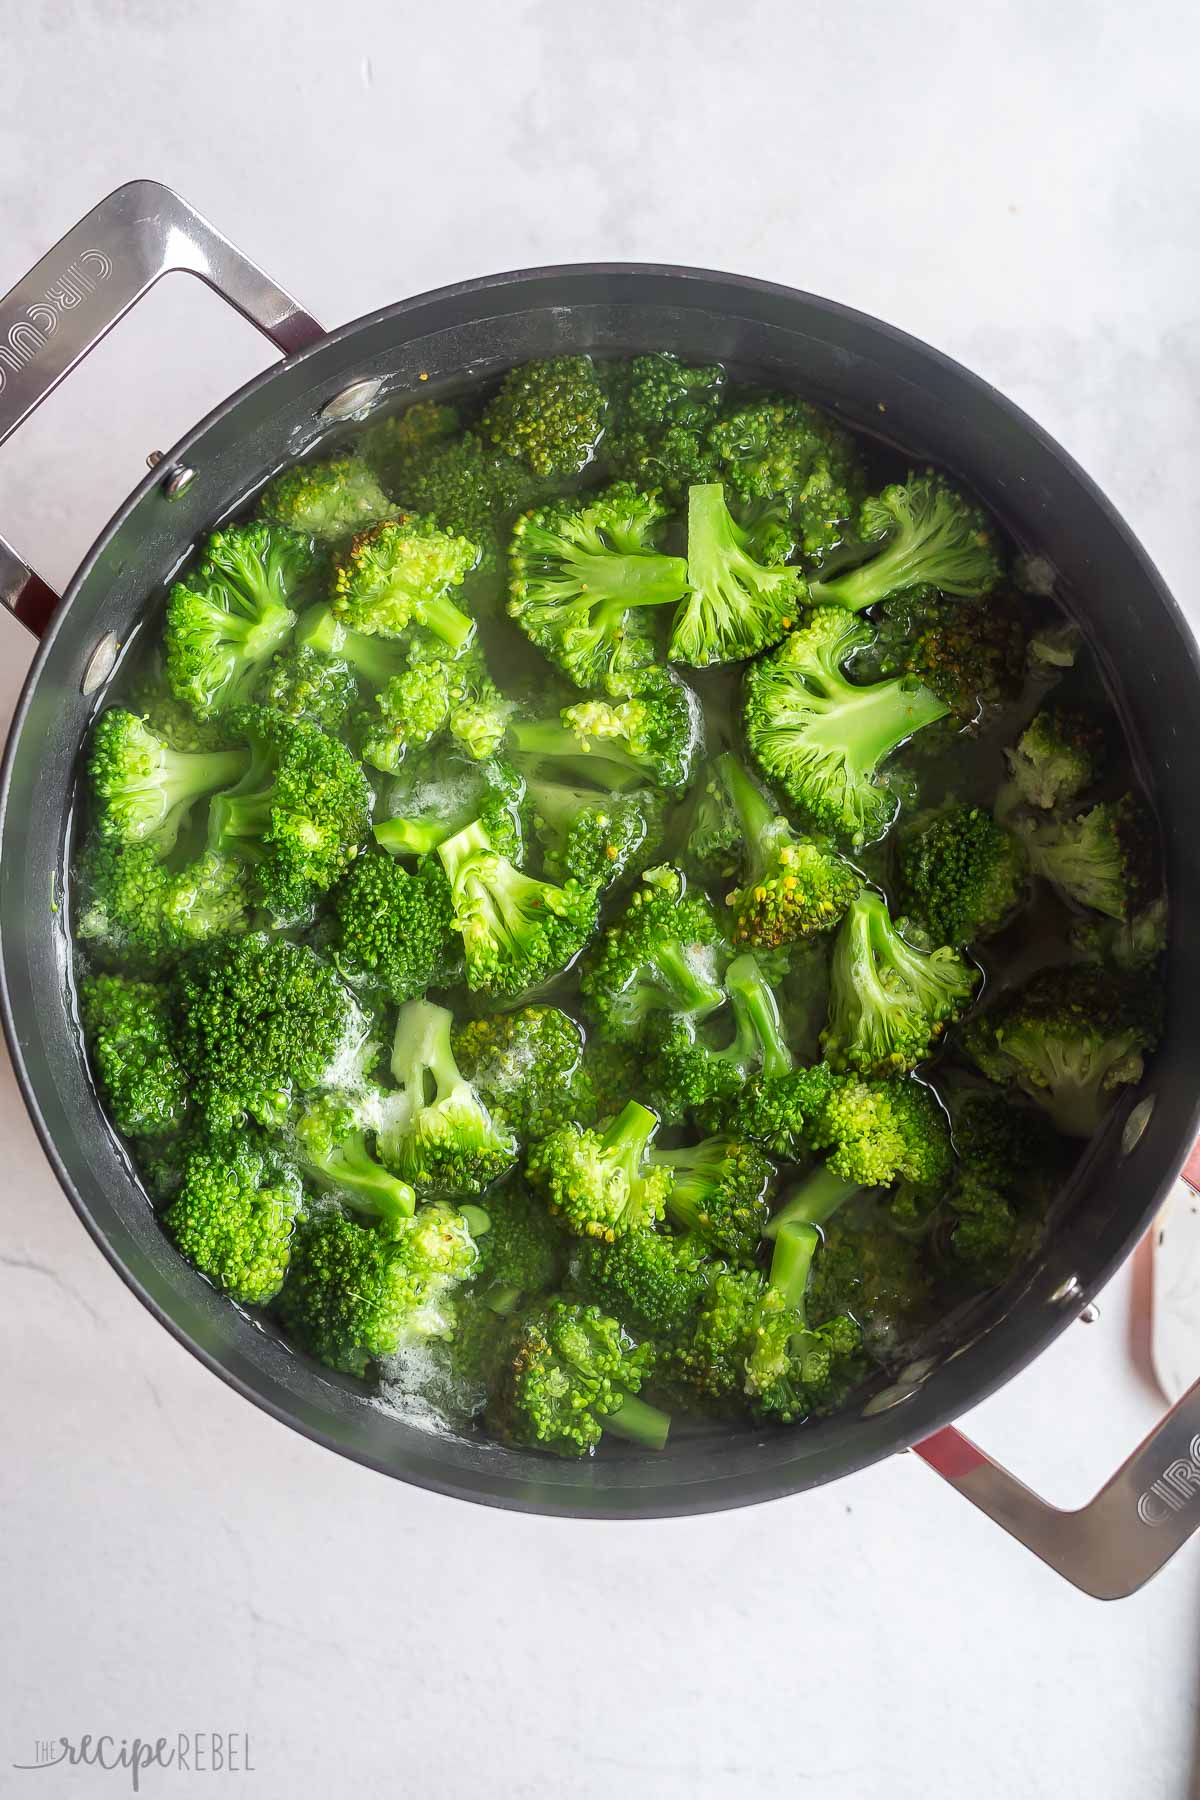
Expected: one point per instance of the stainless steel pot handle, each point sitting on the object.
(1133, 1527)
(77, 293)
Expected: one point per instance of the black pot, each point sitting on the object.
(874, 378)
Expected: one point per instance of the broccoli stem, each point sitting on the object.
(687, 982)
(814, 1201)
(607, 764)
(421, 1049)
(621, 581)
(443, 618)
(791, 1262)
(409, 837)
(373, 658)
(639, 1423)
(627, 1138)
(757, 1015)
(754, 812)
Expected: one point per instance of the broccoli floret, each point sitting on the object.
(527, 1068)
(735, 605)
(1061, 752)
(1053, 649)
(549, 415)
(962, 875)
(144, 792)
(523, 1253)
(356, 1292)
(1069, 1038)
(325, 499)
(609, 1074)
(659, 956)
(414, 708)
(331, 1147)
(693, 1070)
(791, 888)
(719, 1192)
(1006, 1146)
(436, 1131)
(650, 738)
(889, 1001)
(440, 794)
(1131, 945)
(135, 911)
(600, 1183)
(262, 1020)
(984, 1240)
(234, 1213)
(932, 535)
(591, 836)
(571, 1374)
(872, 1134)
(878, 1275)
(516, 931)
(399, 574)
(659, 423)
(1104, 859)
(298, 814)
(822, 737)
(652, 1282)
(130, 1029)
(230, 615)
(580, 571)
(780, 447)
(306, 685)
(387, 445)
(970, 653)
(463, 484)
(395, 926)
(168, 717)
(753, 1341)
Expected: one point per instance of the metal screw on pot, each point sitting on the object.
(178, 482)
(351, 400)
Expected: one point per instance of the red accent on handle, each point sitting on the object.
(950, 1453)
(1191, 1168)
(34, 605)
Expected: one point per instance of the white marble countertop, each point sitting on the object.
(1014, 182)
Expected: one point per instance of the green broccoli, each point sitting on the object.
(144, 791)
(395, 926)
(659, 420)
(516, 931)
(872, 1134)
(791, 887)
(1008, 1146)
(230, 615)
(931, 534)
(890, 1001)
(692, 1072)
(440, 792)
(734, 606)
(659, 956)
(775, 446)
(713, 847)
(600, 1183)
(571, 1374)
(985, 1240)
(649, 1280)
(306, 685)
(371, 659)
(1131, 945)
(414, 709)
(355, 1293)
(719, 1193)
(436, 1131)
(234, 1213)
(1060, 752)
(527, 1067)
(591, 836)
(261, 1021)
(325, 499)
(399, 574)
(298, 814)
(609, 1073)
(580, 571)
(1104, 859)
(133, 910)
(1070, 1038)
(548, 415)
(390, 445)
(970, 653)
(461, 482)
(523, 1253)
(822, 737)
(130, 1029)
(880, 1276)
(650, 738)
(962, 875)
(330, 1144)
